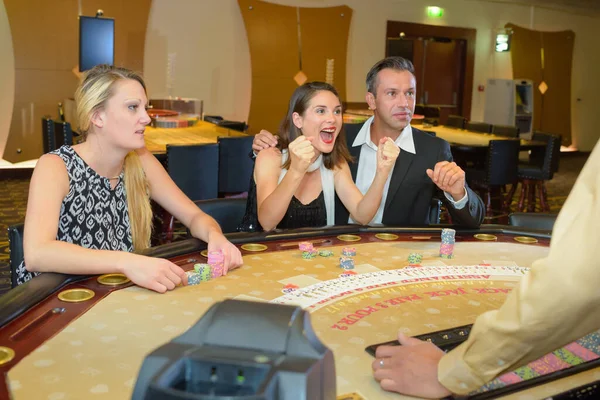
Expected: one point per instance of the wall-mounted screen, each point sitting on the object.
(96, 42)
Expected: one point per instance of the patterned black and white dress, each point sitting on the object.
(92, 215)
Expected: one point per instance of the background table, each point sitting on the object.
(203, 132)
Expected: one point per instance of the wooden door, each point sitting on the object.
(439, 69)
(441, 74)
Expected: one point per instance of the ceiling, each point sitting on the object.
(584, 7)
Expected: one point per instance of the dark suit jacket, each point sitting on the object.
(411, 190)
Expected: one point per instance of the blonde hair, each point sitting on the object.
(95, 88)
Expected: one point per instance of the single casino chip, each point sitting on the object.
(349, 251)
(325, 253)
(346, 262)
(291, 286)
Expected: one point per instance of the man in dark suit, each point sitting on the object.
(424, 169)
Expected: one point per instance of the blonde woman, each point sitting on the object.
(89, 204)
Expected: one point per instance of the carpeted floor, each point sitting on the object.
(13, 202)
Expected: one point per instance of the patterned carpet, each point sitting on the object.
(13, 202)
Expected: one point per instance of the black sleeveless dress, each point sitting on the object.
(92, 215)
(298, 215)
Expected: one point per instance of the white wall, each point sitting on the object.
(7, 77)
(213, 60)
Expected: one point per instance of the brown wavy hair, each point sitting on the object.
(288, 132)
(96, 87)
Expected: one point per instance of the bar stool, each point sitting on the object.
(532, 176)
(501, 168)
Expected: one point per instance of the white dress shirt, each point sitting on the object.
(367, 166)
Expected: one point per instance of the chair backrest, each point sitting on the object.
(456, 121)
(55, 134)
(15, 246)
(235, 164)
(539, 221)
(503, 162)
(420, 109)
(482, 127)
(227, 212)
(435, 211)
(551, 157)
(195, 169)
(505, 130)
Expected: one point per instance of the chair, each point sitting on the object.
(435, 211)
(432, 115)
(15, 246)
(419, 109)
(235, 167)
(227, 212)
(501, 168)
(533, 175)
(481, 127)
(539, 221)
(55, 134)
(456, 121)
(195, 170)
(505, 130)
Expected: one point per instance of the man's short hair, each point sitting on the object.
(395, 63)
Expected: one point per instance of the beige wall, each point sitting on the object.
(7, 77)
(213, 61)
(45, 50)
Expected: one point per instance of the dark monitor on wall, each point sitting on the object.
(96, 42)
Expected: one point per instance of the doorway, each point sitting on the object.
(443, 58)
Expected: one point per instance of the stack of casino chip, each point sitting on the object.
(193, 278)
(308, 250)
(346, 262)
(306, 246)
(309, 255)
(201, 273)
(216, 262)
(349, 251)
(325, 253)
(447, 246)
(415, 259)
(204, 270)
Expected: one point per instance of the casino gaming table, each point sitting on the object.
(59, 346)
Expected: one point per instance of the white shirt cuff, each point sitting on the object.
(460, 204)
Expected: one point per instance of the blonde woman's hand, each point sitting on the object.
(156, 274)
(301, 152)
(232, 258)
